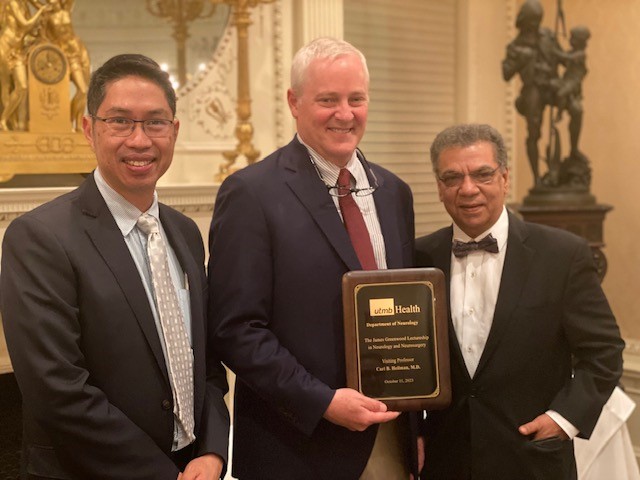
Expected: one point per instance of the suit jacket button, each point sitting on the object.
(166, 404)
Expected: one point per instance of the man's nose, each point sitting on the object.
(468, 186)
(138, 137)
(344, 111)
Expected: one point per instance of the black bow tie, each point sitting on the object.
(462, 249)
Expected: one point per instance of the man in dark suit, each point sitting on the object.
(535, 349)
(279, 248)
(85, 325)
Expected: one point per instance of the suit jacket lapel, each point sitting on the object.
(441, 255)
(312, 193)
(517, 264)
(107, 238)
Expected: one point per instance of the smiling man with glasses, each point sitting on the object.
(103, 304)
(535, 349)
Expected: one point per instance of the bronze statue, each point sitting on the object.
(569, 92)
(17, 25)
(532, 55)
(536, 55)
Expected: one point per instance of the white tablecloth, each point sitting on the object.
(608, 454)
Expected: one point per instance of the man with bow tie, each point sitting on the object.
(535, 349)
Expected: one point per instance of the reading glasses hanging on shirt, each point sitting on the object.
(344, 190)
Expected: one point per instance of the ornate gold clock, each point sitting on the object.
(48, 64)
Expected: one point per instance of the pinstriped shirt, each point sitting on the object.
(366, 204)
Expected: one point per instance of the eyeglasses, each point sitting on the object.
(123, 127)
(482, 176)
(344, 190)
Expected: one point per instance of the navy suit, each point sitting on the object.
(553, 345)
(97, 402)
(278, 252)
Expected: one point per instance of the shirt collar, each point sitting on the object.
(124, 213)
(499, 230)
(330, 172)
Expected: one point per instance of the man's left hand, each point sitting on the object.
(543, 427)
(206, 467)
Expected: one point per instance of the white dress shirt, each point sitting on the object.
(475, 281)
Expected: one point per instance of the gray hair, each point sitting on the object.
(467, 134)
(321, 48)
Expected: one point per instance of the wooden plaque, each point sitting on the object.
(396, 337)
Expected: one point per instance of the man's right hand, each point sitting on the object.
(352, 410)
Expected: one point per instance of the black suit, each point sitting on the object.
(85, 348)
(278, 253)
(550, 308)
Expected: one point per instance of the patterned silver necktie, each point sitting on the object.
(180, 356)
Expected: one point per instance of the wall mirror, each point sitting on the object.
(160, 29)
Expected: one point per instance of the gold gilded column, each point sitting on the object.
(241, 18)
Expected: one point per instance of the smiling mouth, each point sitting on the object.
(470, 207)
(138, 163)
(340, 130)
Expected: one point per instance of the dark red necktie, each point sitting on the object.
(354, 222)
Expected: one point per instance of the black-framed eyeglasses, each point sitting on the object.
(344, 190)
(482, 176)
(123, 127)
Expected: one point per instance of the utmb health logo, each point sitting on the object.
(382, 307)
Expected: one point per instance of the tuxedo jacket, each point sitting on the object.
(97, 402)
(278, 252)
(553, 345)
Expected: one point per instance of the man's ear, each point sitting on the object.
(440, 191)
(292, 100)
(87, 128)
(507, 183)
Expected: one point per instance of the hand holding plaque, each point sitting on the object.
(396, 337)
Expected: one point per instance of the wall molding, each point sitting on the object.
(184, 198)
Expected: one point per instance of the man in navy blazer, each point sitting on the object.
(279, 249)
(535, 349)
(79, 313)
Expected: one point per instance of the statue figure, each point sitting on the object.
(536, 56)
(18, 24)
(58, 29)
(532, 55)
(569, 94)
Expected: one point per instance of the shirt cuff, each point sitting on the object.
(563, 423)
